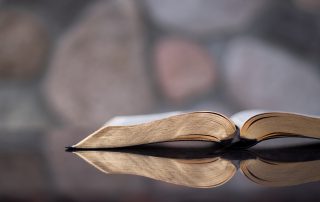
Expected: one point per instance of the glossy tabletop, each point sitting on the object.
(36, 167)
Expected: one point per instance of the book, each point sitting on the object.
(211, 169)
(243, 129)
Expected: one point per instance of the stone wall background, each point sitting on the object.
(78, 63)
(69, 64)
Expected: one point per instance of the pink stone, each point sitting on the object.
(184, 69)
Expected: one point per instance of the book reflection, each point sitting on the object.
(206, 168)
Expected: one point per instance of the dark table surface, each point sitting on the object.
(35, 167)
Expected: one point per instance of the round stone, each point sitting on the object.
(184, 69)
(260, 75)
(98, 70)
(204, 17)
(24, 45)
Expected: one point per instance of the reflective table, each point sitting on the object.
(36, 167)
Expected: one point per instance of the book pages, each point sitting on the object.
(241, 117)
(139, 119)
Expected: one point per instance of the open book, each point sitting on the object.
(243, 129)
(212, 170)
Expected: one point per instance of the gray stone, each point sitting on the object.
(291, 27)
(98, 70)
(58, 15)
(24, 45)
(204, 17)
(21, 109)
(184, 69)
(263, 76)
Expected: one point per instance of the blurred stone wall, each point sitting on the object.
(76, 63)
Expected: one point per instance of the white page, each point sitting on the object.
(238, 118)
(139, 119)
(241, 117)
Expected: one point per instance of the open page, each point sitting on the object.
(139, 119)
(241, 117)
